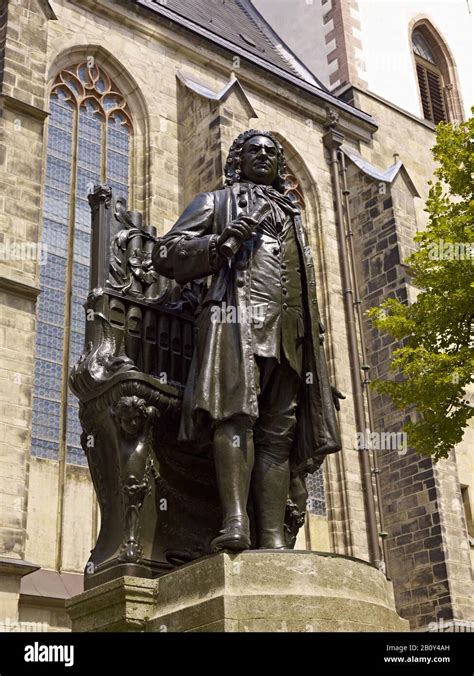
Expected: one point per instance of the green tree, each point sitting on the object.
(435, 364)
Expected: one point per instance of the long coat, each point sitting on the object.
(223, 378)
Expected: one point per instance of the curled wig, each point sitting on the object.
(234, 159)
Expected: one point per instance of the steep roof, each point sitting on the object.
(237, 23)
(237, 26)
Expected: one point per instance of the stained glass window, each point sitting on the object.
(316, 499)
(89, 141)
(294, 191)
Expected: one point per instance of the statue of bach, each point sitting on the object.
(258, 382)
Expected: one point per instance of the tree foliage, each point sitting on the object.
(434, 366)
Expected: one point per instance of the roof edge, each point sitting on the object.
(202, 90)
(280, 45)
(387, 176)
(48, 10)
(275, 70)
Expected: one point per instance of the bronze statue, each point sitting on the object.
(258, 381)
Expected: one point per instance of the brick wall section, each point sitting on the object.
(207, 129)
(25, 52)
(342, 46)
(383, 228)
(395, 127)
(16, 378)
(23, 35)
(3, 36)
(199, 144)
(21, 134)
(455, 542)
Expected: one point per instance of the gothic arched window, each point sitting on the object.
(89, 141)
(294, 190)
(430, 80)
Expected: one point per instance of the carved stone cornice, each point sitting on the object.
(17, 567)
(19, 106)
(19, 288)
(333, 138)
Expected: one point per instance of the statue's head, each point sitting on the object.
(131, 414)
(256, 156)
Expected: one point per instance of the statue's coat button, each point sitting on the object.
(285, 306)
(276, 250)
(243, 202)
(183, 254)
(240, 281)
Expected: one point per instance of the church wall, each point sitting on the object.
(60, 527)
(410, 139)
(427, 539)
(22, 68)
(150, 56)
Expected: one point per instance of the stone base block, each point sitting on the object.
(277, 591)
(124, 604)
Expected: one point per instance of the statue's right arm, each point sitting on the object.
(189, 250)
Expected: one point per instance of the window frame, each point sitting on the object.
(445, 65)
(76, 104)
(433, 68)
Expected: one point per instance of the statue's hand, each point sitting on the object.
(241, 229)
(336, 395)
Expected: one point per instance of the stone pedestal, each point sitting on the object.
(11, 572)
(253, 591)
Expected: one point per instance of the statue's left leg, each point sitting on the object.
(233, 460)
(273, 438)
(270, 490)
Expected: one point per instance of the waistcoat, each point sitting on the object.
(276, 294)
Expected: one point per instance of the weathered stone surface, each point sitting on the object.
(252, 591)
(121, 605)
(422, 503)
